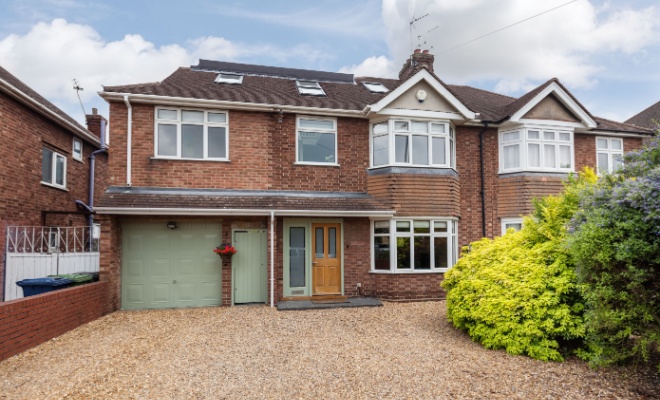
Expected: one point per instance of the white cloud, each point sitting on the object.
(51, 55)
(564, 43)
(372, 66)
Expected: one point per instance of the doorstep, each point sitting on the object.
(288, 305)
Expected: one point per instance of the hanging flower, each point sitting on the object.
(225, 249)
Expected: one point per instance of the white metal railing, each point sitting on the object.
(43, 239)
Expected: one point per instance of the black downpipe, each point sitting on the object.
(483, 183)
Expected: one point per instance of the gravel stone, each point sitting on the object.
(399, 351)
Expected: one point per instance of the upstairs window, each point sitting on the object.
(191, 134)
(53, 168)
(232, 79)
(310, 88)
(376, 87)
(413, 143)
(536, 149)
(77, 149)
(511, 223)
(316, 141)
(609, 154)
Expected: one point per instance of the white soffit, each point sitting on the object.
(563, 97)
(423, 74)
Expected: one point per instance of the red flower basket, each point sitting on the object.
(225, 251)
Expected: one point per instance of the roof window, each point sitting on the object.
(232, 79)
(311, 88)
(375, 87)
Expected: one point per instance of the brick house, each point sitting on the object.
(327, 184)
(648, 118)
(44, 163)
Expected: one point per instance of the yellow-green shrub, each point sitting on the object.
(518, 292)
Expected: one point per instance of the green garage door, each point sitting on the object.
(170, 268)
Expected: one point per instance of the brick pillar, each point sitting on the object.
(110, 263)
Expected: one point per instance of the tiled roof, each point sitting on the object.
(609, 125)
(16, 83)
(149, 197)
(649, 118)
(340, 94)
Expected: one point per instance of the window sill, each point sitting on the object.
(317, 164)
(188, 159)
(559, 174)
(409, 272)
(79, 160)
(62, 188)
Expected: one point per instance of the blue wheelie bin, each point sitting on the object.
(35, 286)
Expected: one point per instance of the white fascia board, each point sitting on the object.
(47, 112)
(398, 112)
(228, 105)
(563, 97)
(551, 123)
(612, 133)
(243, 212)
(423, 74)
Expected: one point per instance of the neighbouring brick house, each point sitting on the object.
(44, 162)
(327, 184)
(648, 118)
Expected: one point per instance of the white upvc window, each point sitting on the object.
(511, 223)
(413, 143)
(77, 151)
(609, 154)
(188, 134)
(316, 141)
(376, 87)
(53, 168)
(232, 79)
(413, 245)
(536, 149)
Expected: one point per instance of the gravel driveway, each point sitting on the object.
(396, 351)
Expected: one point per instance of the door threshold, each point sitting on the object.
(323, 297)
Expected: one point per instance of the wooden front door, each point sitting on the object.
(326, 259)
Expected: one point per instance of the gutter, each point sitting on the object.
(230, 105)
(234, 211)
(129, 133)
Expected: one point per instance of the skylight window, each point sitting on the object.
(232, 79)
(311, 88)
(376, 87)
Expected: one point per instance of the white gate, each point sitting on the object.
(36, 252)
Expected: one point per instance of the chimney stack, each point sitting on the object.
(96, 124)
(418, 60)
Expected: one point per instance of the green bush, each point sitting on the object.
(616, 247)
(518, 292)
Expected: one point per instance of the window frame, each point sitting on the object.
(74, 154)
(53, 173)
(375, 87)
(524, 141)
(309, 88)
(451, 234)
(206, 124)
(221, 78)
(609, 152)
(510, 221)
(449, 136)
(335, 131)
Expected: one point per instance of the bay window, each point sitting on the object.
(413, 143)
(536, 149)
(191, 134)
(609, 154)
(414, 245)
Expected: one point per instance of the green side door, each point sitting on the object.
(170, 268)
(250, 266)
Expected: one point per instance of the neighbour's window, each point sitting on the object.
(316, 141)
(511, 223)
(532, 149)
(414, 245)
(77, 149)
(192, 134)
(609, 154)
(53, 168)
(413, 143)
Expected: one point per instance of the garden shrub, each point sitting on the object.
(616, 247)
(518, 292)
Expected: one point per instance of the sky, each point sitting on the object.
(607, 53)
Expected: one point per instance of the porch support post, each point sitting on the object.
(272, 258)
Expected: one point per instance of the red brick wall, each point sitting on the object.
(28, 322)
(25, 133)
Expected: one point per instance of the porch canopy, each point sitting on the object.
(179, 201)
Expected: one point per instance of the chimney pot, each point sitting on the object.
(417, 51)
(95, 111)
(425, 52)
